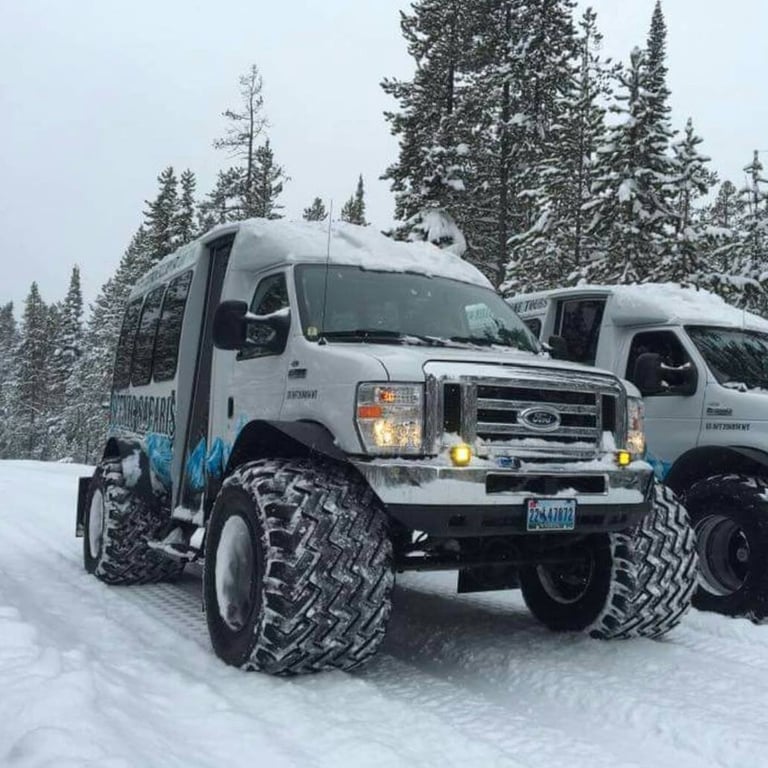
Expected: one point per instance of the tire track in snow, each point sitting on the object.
(698, 712)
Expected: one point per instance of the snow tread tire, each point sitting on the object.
(129, 524)
(744, 498)
(327, 572)
(667, 569)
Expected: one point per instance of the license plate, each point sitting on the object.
(551, 514)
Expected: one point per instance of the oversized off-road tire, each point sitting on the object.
(667, 569)
(118, 526)
(298, 568)
(592, 593)
(730, 519)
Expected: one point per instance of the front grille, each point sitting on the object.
(535, 414)
(499, 410)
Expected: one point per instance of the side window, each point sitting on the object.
(534, 326)
(124, 353)
(271, 296)
(673, 355)
(141, 368)
(169, 328)
(579, 324)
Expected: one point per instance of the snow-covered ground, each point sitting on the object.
(92, 675)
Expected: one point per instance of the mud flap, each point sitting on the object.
(486, 578)
(83, 483)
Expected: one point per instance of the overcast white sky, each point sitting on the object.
(98, 96)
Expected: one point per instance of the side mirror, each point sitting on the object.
(558, 348)
(229, 325)
(647, 373)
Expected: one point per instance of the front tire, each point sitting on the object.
(730, 518)
(298, 568)
(667, 569)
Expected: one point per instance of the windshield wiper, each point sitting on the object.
(383, 336)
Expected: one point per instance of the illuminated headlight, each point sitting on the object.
(390, 417)
(635, 426)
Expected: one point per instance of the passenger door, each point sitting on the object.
(672, 415)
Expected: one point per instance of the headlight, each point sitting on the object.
(635, 426)
(390, 417)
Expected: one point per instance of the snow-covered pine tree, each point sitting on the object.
(29, 407)
(245, 125)
(523, 54)
(316, 211)
(251, 187)
(66, 349)
(749, 281)
(90, 382)
(161, 217)
(8, 344)
(686, 261)
(353, 210)
(267, 185)
(224, 202)
(629, 214)
(722, 219)
(429, 172)
(558, 246)
(184, 226)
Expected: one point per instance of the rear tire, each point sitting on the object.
(730, 518)
(118, 526)
(592, 594)
(298, 568)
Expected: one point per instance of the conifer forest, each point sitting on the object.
(520, 147)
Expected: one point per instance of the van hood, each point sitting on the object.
(408, 362)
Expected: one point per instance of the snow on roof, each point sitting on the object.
(261, 242)
(669, 303)
(651, 303)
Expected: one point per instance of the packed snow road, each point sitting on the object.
(92, 675)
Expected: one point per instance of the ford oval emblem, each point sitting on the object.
(540, 419)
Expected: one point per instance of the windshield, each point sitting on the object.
(737, 358)
(403, 307)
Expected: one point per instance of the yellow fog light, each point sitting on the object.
(623, 458)
(461, 455)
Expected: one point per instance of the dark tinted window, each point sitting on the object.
(141, 369)
(125, 345)
(169, 328)
(673, 356)
(271, 296)
(534, 325)
(579, 324)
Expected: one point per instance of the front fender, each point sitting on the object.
(706, 461)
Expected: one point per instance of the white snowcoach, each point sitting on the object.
(702, 366)
(310, 410)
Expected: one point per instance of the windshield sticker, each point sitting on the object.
(722, 426)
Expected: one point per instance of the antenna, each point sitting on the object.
(327, 268)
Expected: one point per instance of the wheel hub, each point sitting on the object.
(96, 523)
(724, 555)
(234, 573)
(566, 583)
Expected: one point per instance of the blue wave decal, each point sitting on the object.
(160, 453)
(660, 467)
(217, 458)
(196, 467)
